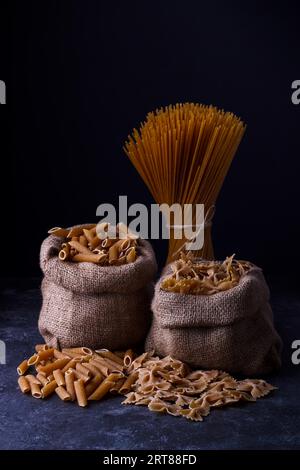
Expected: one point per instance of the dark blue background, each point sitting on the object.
(81, 75)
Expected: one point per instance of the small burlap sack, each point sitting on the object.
(85, 304)
(231, 330)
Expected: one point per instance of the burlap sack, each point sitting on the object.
(231, 330)
(85, 304)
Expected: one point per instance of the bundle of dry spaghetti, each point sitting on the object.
(183, 154)
(190, 276)
(84, 243)
(165, 385)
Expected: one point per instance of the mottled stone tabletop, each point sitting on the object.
(27, 423)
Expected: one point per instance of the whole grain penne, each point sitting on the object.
(58, 364)
(108, 242)
(59, 377)
(113, 252)
(58, 232)
(80, 248)
(125, 245)
(48, 388)
(93, 384)
(83, 241)
(64, 253)
(101, 229)
(42, 378)
(45, 354)
(87, 258)
(128, 358)
(80, 393)
(79, 375)
(70, 365)
(103, 362)
(91, 368)
(80, 368)
(94, 242)
(34, 359)
(60, 355)
(131, 255)
(69, 378)
(78, 351)
(35, 390)
(77, 231)
(114, 365)
(117, 385)
(114, 376)
(119, 354)
(24, 384)
(131, 379)
(109, 355)
(101, 367)
(101, 390)
(23, 367)
(62, 393)
(32, 379)
(50, 377)
(88, 235)
(41, 347)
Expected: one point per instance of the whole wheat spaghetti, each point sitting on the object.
(183, 153)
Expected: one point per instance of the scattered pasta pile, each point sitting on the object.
(164, 385)
(204, 277)
(82, 244)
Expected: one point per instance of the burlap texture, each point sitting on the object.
(85, 304)
(231, 330)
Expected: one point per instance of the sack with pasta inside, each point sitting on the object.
(99, 305)
(215, 315)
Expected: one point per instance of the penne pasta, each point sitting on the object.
(88, 235)
(32, 379)
(94, 242)
(109, 355)
(92, 368)
(87, 258)
(93, 384)
(24, 384)
(63, 394)
(128, 358)
(40, 347)
(35, 390)
(101, 390)
(33, 360)
(77, 231)
(59, 377)
(113, 252)
(103, 368)
(130, 380)
(80, 393)
(131, 255)
(64, 253)
(80, 248)
(69, 379)
(48, 388)
(60, 355)
(42, 378)
(117, 385)
(45, 354)
(23, 367)
(83, 241)
(58, 232)
(78, 351)
(79, 375)
(80, 368)
(58, 364)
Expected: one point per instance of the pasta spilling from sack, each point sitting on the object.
(192, 276)
(183, 153)
(164, 385)
(91, 243)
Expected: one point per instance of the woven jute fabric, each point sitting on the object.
(231, 330)
(98, 307)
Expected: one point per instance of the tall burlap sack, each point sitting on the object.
(231, 330)
(85, 304)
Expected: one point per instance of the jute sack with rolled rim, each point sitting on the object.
(99, 307)
(231, 330)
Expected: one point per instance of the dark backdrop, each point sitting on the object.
(81, 75)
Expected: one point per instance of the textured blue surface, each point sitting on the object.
(27, 423)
